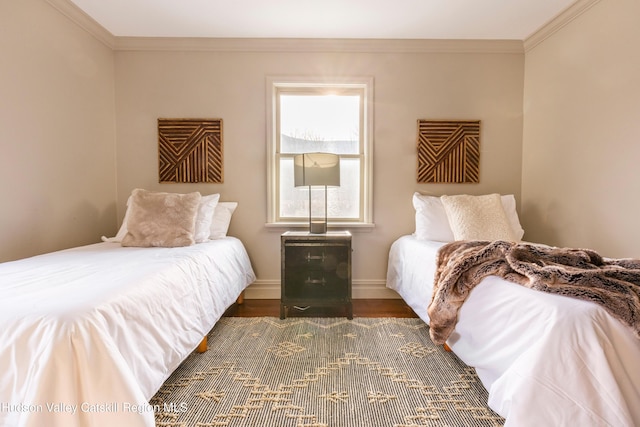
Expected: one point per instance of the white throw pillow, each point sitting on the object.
(432, 222)
(478, 217)
(204, 218)
(431, 219)
(222, 219)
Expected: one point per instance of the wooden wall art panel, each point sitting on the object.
(190, 150)
(448, 151)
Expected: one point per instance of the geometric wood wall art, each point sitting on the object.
(190, 150)
(448, 151)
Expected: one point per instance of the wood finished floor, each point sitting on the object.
(361, 308)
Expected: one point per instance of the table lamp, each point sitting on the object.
(313, 169)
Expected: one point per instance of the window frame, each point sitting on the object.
(277, 85)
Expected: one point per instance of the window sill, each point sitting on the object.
(352, 226)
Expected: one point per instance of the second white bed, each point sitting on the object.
(546, 360)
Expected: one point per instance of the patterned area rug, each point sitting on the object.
(322, 372)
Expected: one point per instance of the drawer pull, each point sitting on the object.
(310, 257)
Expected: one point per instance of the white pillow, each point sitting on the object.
(205, 217)
(123, 227)
(432, 222)
(222, 219)
(431, 219)
(477, 217)
(509, 205)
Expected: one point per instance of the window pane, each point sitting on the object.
(345, 200)
(292, 203)
(342, 202)
(319, 123)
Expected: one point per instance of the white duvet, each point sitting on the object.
(88, 335)
(546, 360)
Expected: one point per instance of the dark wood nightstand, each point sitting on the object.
(316, 270)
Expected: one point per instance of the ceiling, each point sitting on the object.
(351, 19)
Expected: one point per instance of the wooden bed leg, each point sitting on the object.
(240, 299)
(202, 347)
(446, 347)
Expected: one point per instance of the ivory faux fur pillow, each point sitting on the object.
(161, 219)
(477, 217)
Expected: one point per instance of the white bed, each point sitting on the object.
(88, 335)
(546, 360)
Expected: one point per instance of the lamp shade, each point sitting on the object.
(316, 169)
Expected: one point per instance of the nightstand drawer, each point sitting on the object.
(315, 256)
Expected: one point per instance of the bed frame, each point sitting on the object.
(203, 346)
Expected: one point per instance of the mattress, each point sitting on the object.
(546, 360)
(89, 334)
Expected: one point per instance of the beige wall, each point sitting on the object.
(57, 132)
(229, 83)
(581, 143)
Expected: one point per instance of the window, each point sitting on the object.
(306, 117)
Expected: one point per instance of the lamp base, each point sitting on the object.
(317, 227)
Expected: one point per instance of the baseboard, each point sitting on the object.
(360, 289)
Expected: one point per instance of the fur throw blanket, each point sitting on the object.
(578, 273)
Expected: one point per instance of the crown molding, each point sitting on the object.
(318, 45)
(564, 18)
(84, 21)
